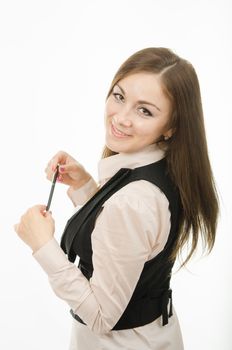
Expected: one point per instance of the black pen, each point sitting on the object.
(52, 187)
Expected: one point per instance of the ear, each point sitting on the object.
(169, 133)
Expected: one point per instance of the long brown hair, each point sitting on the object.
(186, 150)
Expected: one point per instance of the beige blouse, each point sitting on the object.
(132, 228)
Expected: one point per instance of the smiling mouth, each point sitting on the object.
(117, 132)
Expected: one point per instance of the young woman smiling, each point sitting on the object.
(155, 193)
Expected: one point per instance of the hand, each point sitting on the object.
(71, 172)
(36, 227)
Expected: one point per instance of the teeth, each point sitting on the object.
(118, 132)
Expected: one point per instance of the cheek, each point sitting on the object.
(108, 113)
(143, 127)
(111, 108)
(147, 129)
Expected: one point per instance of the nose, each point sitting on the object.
(123, 119)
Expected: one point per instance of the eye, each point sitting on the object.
(118, 96)
(146, 112)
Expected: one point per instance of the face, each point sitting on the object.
(137, 113)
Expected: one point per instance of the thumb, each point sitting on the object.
(64, 169)
(47, 213)
(48, 216)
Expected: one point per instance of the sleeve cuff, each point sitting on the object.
(51, 257)
(82, 194)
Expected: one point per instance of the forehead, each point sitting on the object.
(145, 86)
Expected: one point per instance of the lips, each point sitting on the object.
(117, 132)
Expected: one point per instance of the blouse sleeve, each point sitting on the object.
(129, 230)
(80, 196)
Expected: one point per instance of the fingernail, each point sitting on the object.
(61, 168)
(59, 178)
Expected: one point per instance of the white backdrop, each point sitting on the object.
(57, 59)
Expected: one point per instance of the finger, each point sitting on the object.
(60, 158)
(49, 172)
(48, 213)
(38, 208)
(41, 208)
(16, 226)
(52, 164)
(64, 169)
(43, 211)
(48, 167)
(50, 175)
(60, 178)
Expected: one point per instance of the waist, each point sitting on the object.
(143, 311)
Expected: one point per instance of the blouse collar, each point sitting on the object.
(107, 167)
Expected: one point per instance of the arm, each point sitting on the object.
(81, 195)
(119, 254)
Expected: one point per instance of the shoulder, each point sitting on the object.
(140, 193)
(137, 214)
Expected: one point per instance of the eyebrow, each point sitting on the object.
(140, 101)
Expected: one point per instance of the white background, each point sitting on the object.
(57, 59)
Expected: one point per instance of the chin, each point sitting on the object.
(120, 149)
(114, 149)
(117, 146)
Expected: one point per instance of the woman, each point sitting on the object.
(155, 194)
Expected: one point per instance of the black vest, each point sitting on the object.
(151, 296)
